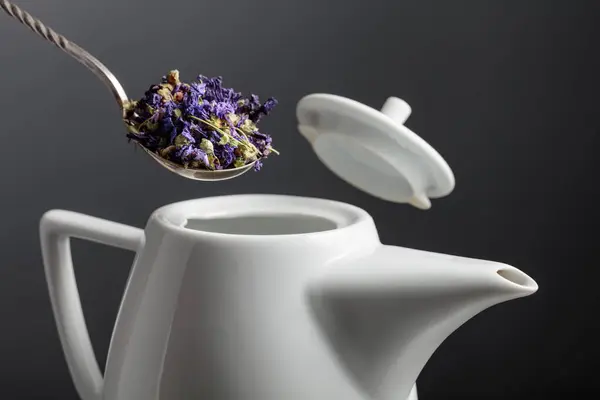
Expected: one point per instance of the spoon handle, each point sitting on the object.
(68, 47)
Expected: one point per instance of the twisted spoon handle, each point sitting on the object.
(68, 47)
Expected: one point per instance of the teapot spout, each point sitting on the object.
(385, 314)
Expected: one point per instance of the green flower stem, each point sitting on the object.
(212, 126)
(248, 140)
(244, 134)
(224, 133)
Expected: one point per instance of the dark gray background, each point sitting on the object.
(505, 90)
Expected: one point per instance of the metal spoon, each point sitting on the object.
(117, 90)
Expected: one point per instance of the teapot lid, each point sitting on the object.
(373, 150)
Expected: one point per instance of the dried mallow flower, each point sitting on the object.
(201, 124)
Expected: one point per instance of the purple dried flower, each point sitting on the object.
(169, 108)
(198, 88)
(225, 154)
(188, 135)
(201, 124)
(155, 100)
(269, 105)
(222, 109)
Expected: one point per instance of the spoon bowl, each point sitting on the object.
(199, 174)
(102, 72)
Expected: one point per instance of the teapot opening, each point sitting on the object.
(262, 215)
(517, 277)
(268, 224)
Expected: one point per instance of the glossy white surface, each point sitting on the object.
(373, 150)
(310, 306)
(56, 228)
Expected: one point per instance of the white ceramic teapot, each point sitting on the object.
(272, 297)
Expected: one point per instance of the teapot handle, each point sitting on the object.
(56, 229)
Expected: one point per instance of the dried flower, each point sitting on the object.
(173, 77)
(201, 124)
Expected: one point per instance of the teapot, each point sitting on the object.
(278, 297)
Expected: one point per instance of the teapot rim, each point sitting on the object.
(346, 217)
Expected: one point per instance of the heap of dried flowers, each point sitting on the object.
(201, 124)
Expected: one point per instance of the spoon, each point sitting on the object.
(117, 90)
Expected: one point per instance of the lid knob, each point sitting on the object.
(373, 150)
(397, 109)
